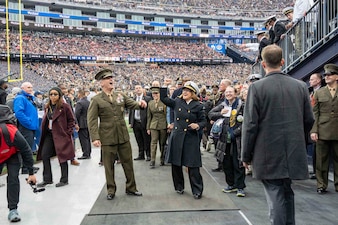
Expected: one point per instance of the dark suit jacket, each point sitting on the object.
(81, 110)
(279, 29)
(262, 44)
(3, 96)
(277, 116)
(143, 114)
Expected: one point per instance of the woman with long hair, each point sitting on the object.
(56, 137)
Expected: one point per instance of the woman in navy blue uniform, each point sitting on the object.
(184, 141)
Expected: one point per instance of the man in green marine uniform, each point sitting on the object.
(108, 129)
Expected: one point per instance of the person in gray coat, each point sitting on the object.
(277, 117)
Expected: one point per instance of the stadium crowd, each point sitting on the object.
(45, 75)
(124, 47)
(232, 8)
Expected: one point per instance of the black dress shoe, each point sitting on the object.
(44, 183)
(110, 196)
(84, 157)
(136, 193)
(61, 184)
(148, 159)
(139, 158)
(162, 163)
(217, 170)
(152, 164)
(312, 176)
(180, 192)
(197, 196)
(321, 190)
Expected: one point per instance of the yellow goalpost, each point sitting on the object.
(9, 78)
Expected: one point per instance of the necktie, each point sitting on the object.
(332, 91)
(110, 97)
(137, 111)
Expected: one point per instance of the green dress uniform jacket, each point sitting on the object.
(156, 116)
(325, 111)
(112, 129)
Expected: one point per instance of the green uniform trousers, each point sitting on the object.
(323, 149)
(109, 155)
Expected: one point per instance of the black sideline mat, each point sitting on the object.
(158, 193)
(171, 218)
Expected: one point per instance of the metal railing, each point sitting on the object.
(317, 27)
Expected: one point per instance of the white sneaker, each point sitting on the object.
(14, 216)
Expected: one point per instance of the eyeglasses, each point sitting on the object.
(155, 92)
(53, 94)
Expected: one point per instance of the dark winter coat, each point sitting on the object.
(184, 143)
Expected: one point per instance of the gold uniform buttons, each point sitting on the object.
(179, 109)
(185, 129)
(177, 118)
(188, 111)
(187, 120)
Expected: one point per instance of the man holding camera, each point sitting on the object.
(13, 163)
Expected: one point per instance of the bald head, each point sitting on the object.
(27, 87)
(315, 80)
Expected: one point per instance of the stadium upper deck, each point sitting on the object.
(106, 19)
(232, 8)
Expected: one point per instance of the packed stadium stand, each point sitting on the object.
(255, 8)
(131, 47)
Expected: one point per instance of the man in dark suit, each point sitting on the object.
(324, 131)
(278, 28)
(316, 83)
(263, 42)
(277, 117)
(112, 134)
(138, 121)
(3, 93)
(70, 102)
(81, 110)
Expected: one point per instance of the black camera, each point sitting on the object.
(35, 188)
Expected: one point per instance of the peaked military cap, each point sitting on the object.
(155, 89)
(287, 10)
(260, 32)
(192, 86)
(104, 74)
(3, 81)
(331, 69)
(214, 86)
(269, 19)
(254, 76)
